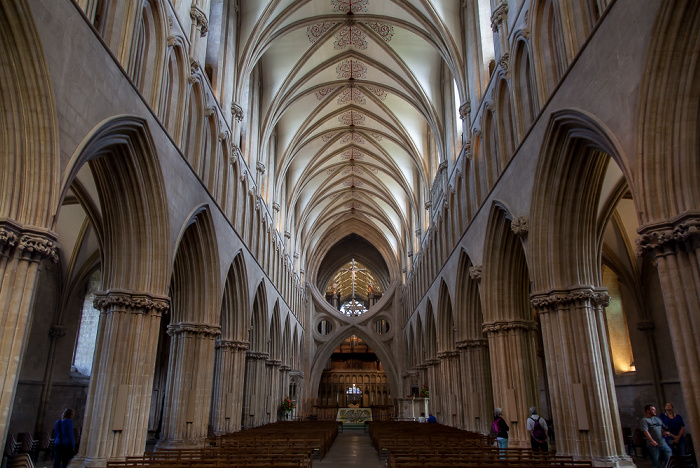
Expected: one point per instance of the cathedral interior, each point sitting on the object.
(208, 206)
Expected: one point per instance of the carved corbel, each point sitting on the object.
(520, 226)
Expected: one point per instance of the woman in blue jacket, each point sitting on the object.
(64, 442)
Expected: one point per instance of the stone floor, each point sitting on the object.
(352, 447)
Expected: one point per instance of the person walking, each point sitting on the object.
(64, 441)
(537, 427)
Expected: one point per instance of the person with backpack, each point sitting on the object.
(537, 427)
(499, 428)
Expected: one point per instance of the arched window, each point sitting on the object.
(620, 345)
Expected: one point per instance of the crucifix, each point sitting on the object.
(354, 307)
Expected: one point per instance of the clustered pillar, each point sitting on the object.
(580, 374)
(229, 372)
(119, 399)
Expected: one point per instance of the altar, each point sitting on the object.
(354, 415)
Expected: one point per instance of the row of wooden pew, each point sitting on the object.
(413, 445)
(280, 445)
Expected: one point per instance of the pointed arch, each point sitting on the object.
(445, 320)
(549, 54)
(524, 86)
(195, 284)
(234, 308)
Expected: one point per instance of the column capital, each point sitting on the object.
(200, 18)
(194, 328)
(500, 14)
(273, 362)
(237, 112)
(465, 109)
(236, 345)
(285, 368)
(447, 355)
(665, 236)
(432, 362)
(556, 298)
(467, 344)
(32, 242)
(503, 326)
(132, 301)
(256, 355)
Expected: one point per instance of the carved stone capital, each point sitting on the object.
(57, 331)
(511, 325)
(287, 234)
(273, 362)
(646, 327)
(260, 167)
(444, 355)
(432, 362)
(475, 272)
(256, 356)
(200, 18)
(472, 344)
(503, 63)
(235, 345)
(237, 112)
(554, 299)
(285, 368)
(129, 301)
(500, 14)
(32, 243)
(203, 329)
(664, 237)
(520, 226)
(275, 206)
(442, 167)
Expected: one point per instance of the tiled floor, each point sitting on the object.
(352, 447)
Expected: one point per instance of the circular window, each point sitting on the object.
(324, 327)
(381, 327)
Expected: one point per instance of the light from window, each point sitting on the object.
(89, 321)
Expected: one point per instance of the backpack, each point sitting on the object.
(495, 429)
(537, 431)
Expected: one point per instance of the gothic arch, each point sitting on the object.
(172, 101)
(669, 133)
(29, 166)
(234, 309)
(572, 165)
(323, 354)
(260, 329)
(445, 320)
(195, 284)
(548, 50)
(524, 86)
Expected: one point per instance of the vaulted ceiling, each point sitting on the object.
(353, 111)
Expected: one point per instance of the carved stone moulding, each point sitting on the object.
(520, 226)
(448, 354)
(472, 344)
(510, 325)
(562, 298)
(204, 329)
(114, 300)
(256, 355)
(235, 345)
(666, 236)
(32, 243)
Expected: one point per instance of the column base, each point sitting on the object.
(88, 462)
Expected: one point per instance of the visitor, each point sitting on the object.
(500, 428)
(421, 418)
(64, 441)
(431, 418)
(654, 432)
(675, 425)
(537, 427)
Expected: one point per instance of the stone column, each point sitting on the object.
(272, 390)
(119, 397)
(499, 25)
(254, 388)
(580, 374)
(514, 373)
(477, 395)
(675, 245)
(648, 327)
(22, 248)
(229, 371)
(451, 389)
(435, 387)
(189, 386)
(284, 382)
